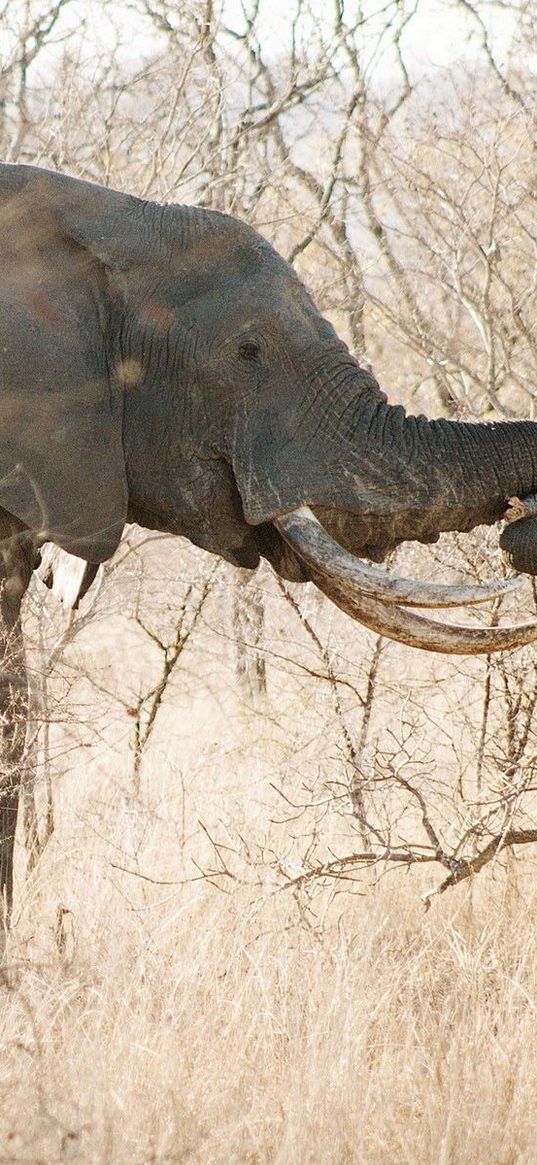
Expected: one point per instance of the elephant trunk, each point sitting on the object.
(389, 478)
(376, 476)
(458, 474)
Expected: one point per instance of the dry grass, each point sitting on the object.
(213, 1017)
(218, 1028)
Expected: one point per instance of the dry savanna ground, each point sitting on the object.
(171, 992)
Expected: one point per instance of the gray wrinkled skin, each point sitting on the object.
(165, 365)
(518, 541)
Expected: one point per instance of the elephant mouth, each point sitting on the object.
(381, 602)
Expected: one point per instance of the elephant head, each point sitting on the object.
(164, 365)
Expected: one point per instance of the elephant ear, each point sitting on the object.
(62, 471)
(116, 228)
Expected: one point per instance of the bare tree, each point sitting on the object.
(405, 197)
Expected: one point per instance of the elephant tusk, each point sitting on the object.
(309, 539)
(416, 631)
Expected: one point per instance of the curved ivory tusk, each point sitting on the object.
(416, 631)
(309, 539)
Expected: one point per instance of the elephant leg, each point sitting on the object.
(16, 565)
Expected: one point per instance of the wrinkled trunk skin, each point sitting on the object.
(374, 476)
(450, 476)
(16, 564)
(519, 544)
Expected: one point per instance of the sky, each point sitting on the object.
(438, 35)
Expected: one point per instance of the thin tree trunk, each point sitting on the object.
(248, 624)
(13, 711)
(16, 565)
(359, 779)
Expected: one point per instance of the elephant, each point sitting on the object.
(164, 365)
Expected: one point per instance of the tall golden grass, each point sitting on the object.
(205, 1026)
(168, 993)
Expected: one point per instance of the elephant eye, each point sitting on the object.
(249, 350)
